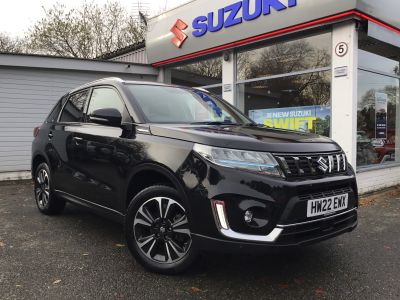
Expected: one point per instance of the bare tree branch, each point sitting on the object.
(86, 32)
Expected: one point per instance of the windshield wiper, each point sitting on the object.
(213, 123)
(251, 124)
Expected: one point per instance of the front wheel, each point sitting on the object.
(158, 231)
(46, 201)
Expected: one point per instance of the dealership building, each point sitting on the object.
(330, 67)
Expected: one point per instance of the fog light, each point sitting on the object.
(248, 216)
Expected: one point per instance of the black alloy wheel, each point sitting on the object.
(158, 230)
(46, 201)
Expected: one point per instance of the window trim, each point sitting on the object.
(379, 72)
(55, 119)
(304, 72)
(68, 98)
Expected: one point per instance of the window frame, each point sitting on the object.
(84, 108)
(59, 103)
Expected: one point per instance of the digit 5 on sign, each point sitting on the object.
(341, 49)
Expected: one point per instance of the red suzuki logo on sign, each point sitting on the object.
(180, 36)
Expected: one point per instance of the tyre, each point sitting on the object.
(46, 201)
(157, 230)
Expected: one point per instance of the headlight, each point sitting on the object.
(261, 162)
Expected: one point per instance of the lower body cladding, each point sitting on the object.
(234, 210)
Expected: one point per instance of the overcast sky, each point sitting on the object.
(16, 16)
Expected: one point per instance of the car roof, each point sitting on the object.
(118, 81)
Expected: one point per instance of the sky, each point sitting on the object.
(16, 16)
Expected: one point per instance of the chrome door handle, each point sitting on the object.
(77, 140)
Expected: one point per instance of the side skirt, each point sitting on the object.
(92, 207)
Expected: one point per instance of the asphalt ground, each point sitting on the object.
(78, 255)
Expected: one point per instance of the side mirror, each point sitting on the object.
(106, 116)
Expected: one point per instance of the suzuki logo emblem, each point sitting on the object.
(323, 164)
(180, 36)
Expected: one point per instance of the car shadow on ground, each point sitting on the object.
(295, 264)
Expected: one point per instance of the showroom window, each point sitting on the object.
(288, 85)
(378, 114)
(206, 73)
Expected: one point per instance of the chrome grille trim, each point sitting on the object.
(311, 164)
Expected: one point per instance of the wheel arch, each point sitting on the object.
(149, 174)
(37, 159)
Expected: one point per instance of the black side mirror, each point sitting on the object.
(106, 116)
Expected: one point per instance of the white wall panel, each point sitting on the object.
(26, 97)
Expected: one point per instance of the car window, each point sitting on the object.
(53, 115)
(164, 104)
(74, 108)
(105, 98)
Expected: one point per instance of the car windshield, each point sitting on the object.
(175, 105)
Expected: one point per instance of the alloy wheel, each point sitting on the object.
(42, 190)
(161, 230)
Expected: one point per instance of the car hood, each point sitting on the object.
(247, 138)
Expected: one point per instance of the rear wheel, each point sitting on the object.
(158, 231)
(46, 201)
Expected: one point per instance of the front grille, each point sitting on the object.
(312, 164)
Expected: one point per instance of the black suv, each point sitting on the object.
(185, 171)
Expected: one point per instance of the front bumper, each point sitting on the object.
(296, 235)
(300, 233)
(285, 201)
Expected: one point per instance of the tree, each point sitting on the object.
(208, 68)
(86, 32)
(10, 45)
(301, 90)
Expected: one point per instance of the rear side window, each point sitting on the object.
(56, 110)
(74, 108)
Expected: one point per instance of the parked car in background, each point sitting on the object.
(185, 171)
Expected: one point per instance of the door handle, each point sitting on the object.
(78, 140)
(50, 135)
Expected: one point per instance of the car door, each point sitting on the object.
(67, 176)
(99, 151)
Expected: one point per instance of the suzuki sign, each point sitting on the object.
(202, 27)
(235, 14)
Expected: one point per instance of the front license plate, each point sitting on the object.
(327, 206)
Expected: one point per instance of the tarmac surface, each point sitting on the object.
(78, 255)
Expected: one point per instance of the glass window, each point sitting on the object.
(287, 57)
(301, 102)
(56, 110)
(371, 61)
(378, 118)
(105, 98)
(162, 104)
(201, 73)
(73, 109)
